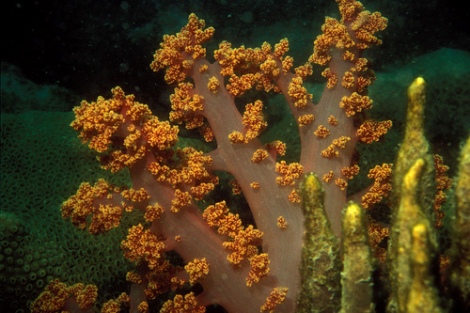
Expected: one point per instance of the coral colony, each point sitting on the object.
(309, 250)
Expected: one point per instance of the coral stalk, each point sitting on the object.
(308, 248)
(256, 267)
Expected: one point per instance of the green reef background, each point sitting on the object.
(56, 53)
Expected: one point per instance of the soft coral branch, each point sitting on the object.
(234, 264)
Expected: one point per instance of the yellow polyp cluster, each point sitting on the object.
(288, 62)
(52, 299)
(115, 305)
(270, 67)
(117, 159)
(143, 307)
(202, 189)
(132, 140)
(206, 132)
(303, 70)
(134, 277)
(294, 196)
(281, 48)
(350, 171)
(363, 82)
(228, 57)
(244, 244)
(214, 213)
(197, 269)
(281, 222)
(298, 93)
(237, 85)
(381, 187)
(371, 131)
(253, 120)
(236, 137)
(180, 200)
(332, 150)
(160, 134)
(443, 183)
(276, 147)
(124, 123)
(327, 177)
(134, 133)
(377, 233)
(259, 268)
(276, 297)
(161, 279)
(341, 183)
(321, 131)
(266, 48)
(259, 155)
(348, 56)
(106, 217)
(186, 303)
(135, 111)
(305, 119)
(142, 245)
(159, 171)
(331, 78)
(244, 240)
(360, 65)
(236, 188)
(334, 34)
(178, 52)
(213, 84)
(363, 76)
(349, 9)
(191, 170)
(348, 81)
(84, 295)
(288, 173)
(333, 121)
(203, 68)
(355, 103)
(363, 22)
(135, 195)
(101, 116)
(186, 105)
(82, 205)
(259, 67)
(366, 25)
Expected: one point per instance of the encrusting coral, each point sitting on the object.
(302, 254)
